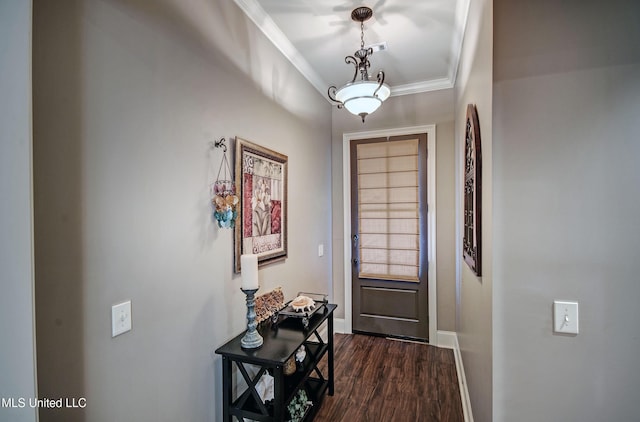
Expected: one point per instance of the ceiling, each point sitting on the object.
(423, 39)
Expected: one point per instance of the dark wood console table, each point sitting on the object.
(281, 341)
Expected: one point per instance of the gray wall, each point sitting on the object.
(404, 111)
(566, 205)
(17, 353)
(127, 97)
(474, 294)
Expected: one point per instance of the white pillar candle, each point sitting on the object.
(249, 267)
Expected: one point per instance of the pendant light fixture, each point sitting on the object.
(362, 96)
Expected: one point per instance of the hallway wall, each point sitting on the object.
(566, 204)
(17, 353)
(475, 294)
(128, 96)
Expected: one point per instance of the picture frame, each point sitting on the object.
(472, 240)
(261, 228)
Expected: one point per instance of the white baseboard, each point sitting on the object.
(449, 340)
(446, 339)
(338, 325)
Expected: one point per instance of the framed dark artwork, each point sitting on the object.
(472, 241)
(261, 228)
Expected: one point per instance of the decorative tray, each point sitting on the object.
(289, 312)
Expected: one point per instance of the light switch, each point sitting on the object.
(565, 317)
(120, 318)
(321, 250)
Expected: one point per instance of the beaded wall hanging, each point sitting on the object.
(224, 198)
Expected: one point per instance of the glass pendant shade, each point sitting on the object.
(358, 97)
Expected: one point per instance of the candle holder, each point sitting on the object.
(252, 339)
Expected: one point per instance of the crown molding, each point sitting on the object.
(263, 21)
(425, 86)
(460, 27)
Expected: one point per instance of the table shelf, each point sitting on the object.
(281, 341)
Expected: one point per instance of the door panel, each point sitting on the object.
(388, 208)
(388, 302)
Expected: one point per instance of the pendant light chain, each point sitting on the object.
(362, 35)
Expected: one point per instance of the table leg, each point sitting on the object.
(226, 388)
(278, 393)
(330, 341)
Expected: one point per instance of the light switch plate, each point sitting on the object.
(565, 317)
(120, 318)
(321, 249)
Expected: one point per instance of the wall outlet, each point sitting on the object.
(120, 318)
(565, 317)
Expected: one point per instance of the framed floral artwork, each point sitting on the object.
(261, 228)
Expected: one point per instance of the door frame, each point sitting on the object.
(430, 130)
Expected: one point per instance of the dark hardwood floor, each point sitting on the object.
(381, 380)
